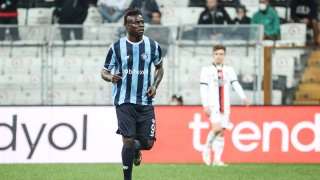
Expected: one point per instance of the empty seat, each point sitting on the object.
(173, 3)
(82, 96)
(58, 96)
(189, 15)
(22, 16)
(93, 17)
(39, 16)
(231, 12)
(284, 65)
(293, 33)
(28, 96)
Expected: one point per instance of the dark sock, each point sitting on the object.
(127, 161)
(137, 145)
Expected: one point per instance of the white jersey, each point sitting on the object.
(215, 87)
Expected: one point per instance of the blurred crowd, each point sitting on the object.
(75, 12)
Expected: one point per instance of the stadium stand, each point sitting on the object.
(72, 68)
(309, 87)
(39, 16)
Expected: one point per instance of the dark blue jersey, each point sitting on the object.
(133, 61)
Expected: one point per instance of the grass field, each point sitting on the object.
(159, 171)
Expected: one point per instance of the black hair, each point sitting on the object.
(131, 12)
(241, 6)
(158, 13)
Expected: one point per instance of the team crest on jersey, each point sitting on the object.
(144, 56)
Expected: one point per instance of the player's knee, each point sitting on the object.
(147, 144)
(128, 142)
(218, 131)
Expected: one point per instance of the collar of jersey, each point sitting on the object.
(134, 42)
(216, 65)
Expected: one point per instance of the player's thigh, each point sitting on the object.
(126, 115)
(219, 120)
(146, 123)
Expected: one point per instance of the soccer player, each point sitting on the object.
(215, 84)
(134, 88)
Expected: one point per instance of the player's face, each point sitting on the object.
(218, 56)
(135, 25)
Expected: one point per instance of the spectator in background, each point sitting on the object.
(242, 18)
(147, 7)
(9, 16)
(214, 14)
(112, 10)
(268, 17)
(176, 100)
(71, 12)
(305, 11)
(159, 33)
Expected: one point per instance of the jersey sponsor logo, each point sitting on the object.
(135, 71)
(153, 127)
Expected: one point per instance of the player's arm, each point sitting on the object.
(237, 87)
(158, 74)
(204, 86)
(109, 64)
(107, 76)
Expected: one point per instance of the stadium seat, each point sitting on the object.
(162, 97)
(20, 49)
(93, 63)
(231, 12)
(170, 16)
(18, 65)
(173, 3)
(191, 96)
(67, 64)
(252, 7)
(81, 96)
(58, 96)
(39, 16)
(7, 95)
(293, 33)
(32, 34)
(77, 48)
(28, 96)
(90, 32)
(22, 16)
(283, 65)
(93, 17)
(189, 15)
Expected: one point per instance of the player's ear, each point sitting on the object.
(127, 26)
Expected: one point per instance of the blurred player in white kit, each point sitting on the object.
(215, 81)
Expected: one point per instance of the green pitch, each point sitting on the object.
(160, 171)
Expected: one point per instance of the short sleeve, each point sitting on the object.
(158, 55)
(110, 59)
(204, 79)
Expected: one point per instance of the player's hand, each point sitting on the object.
(116, 77)
(246, 102)
(207, 110)
(151, 92)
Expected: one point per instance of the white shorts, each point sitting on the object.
(218, 117)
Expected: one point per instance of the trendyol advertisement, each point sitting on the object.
(79, 134)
